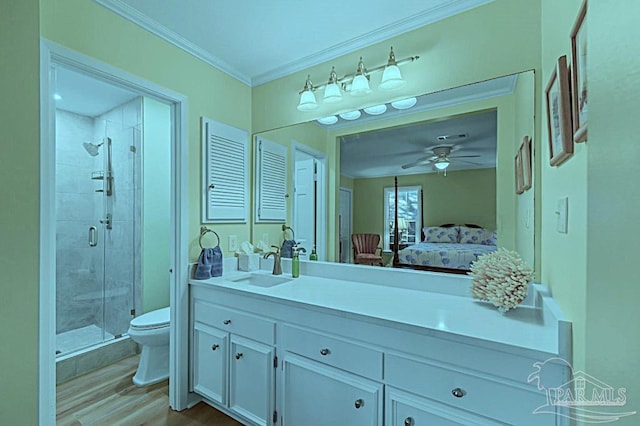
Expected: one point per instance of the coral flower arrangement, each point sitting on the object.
(500, 278)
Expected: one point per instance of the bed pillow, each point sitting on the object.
(473, 235)
(491, 238)
(438, 234)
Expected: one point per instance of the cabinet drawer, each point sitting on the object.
(339, 353)
(488, 398)
(236, 322)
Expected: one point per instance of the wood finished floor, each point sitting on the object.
(109, 397)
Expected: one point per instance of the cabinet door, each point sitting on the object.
(404, 409)
(316, 394)
(251, 381)
(211, 353)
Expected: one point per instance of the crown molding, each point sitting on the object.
(135, 16)
(391, 30)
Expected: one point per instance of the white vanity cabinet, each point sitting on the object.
(233, 360)
(370, 360)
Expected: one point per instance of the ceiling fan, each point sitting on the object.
(440, 158)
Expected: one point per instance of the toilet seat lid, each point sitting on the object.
(154, 319)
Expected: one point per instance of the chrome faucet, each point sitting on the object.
(277, 267)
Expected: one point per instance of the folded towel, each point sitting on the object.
(216, 261)
(203, 268)
(287, 249)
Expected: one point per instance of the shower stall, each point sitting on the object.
(98, 215)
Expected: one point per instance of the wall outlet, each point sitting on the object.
(265, 238)
(233, 242)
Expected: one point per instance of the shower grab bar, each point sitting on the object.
(93, 236)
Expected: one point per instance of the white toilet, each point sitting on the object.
(151, 331)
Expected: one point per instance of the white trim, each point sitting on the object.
(54, 53)
(321, 207)
(393, 29)
(349, 242)
(154, 27)
(47, 266)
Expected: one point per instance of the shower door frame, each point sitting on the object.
(50, 54)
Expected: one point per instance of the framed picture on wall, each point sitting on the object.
(525, 155)
(518, 172)
(559, 114)
(579, 75)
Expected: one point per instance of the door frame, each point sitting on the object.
(349, 243)
(321, 201)
(51, 54)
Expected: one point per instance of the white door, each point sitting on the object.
(314, 394)
(211, 352)
(345, 225)
(305, 201)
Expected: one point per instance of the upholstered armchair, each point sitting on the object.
(366, 250)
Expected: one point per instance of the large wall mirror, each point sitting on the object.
(477, 129)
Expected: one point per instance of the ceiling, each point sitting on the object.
(257, 41)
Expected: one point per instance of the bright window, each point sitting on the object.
(409, 215)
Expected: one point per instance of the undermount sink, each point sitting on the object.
(263, 280)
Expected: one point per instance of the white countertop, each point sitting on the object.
(532, 327)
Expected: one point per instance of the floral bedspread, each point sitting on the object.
(444, 255)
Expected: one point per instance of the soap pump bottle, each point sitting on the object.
(313, 255)
(295, 261)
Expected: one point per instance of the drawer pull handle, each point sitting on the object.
(226, 322)
(214, 347)
(359, 403)
(408, 421)
(239, 355)
(458, 393)
(325, 352)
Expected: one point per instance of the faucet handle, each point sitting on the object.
(277, 249)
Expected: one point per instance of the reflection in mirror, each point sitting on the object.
(457, 146)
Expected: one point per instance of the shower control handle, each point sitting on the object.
(93, 236)
(108, 221)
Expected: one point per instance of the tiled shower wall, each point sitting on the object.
(80, 268)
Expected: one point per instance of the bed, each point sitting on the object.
(445, 248)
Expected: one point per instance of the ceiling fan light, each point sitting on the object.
(404, 103)
(391, 78)
(351, 115)
(332, 119)
(441, 164)
(376, 110)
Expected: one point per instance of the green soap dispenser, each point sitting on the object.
(295, 261)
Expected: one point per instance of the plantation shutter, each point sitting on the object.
(225, 173)
(271, 181)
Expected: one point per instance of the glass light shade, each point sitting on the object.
(441, 164)
(391, 78)
(332, 119)
(404, 103)
(351, 115)
(360, 86)
(307, 101)
(376, 110)
(332, 93)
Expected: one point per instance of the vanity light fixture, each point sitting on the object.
(391, 77)
(356, 84)
(404, 103)
(351, 115)
(376, 110)
(332, 119)
(307, 98)
(332, 91)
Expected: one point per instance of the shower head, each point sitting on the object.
(91, 148)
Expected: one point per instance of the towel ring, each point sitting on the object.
(204, 230)
(284, 229)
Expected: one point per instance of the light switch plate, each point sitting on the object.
(233, 242)
(563, 217)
